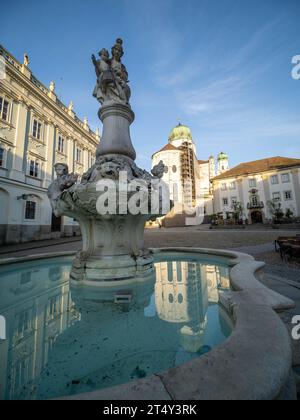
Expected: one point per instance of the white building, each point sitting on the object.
(255, 184)
(36, 131)
(182, 165)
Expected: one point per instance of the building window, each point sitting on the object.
(234, 200)
(61, 144)
(274, 180)
(37, 129)
(276, 196)
(92, 161)
(2, 156)
(224, 187)
(30, 210)
(254, 201)
(285, 178)
(288, 195)
(24, 323)
(34, 169)
(4, 109)
(78, 155)
(174, 168)
(252, 183)
(166, 170)
(180, 298)
(233, 185)
(53, 308)
(225, 201)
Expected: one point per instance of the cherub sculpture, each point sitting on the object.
(61, 184)
(112, 77)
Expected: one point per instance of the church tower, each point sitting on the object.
(223, 163)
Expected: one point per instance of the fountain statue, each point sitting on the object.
(114, 198)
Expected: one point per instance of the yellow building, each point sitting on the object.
(36, 131)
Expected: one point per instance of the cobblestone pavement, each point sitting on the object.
(245, 240)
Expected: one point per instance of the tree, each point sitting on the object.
(238, 210)
(289, 214)
(275, 210)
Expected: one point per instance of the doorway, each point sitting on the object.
(56, 223)
(256, 217)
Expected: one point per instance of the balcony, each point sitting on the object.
(259, 205)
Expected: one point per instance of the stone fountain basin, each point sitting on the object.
(254, 363)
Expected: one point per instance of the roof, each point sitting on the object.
(257, 166)
(180, 132)
(166, 148)
(202, 162)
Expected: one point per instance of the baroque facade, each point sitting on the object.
(36, 131)
(251, 185)
(255, 184)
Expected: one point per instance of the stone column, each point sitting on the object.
(116, 136)
(241, 191)
(22, 130)
(217, 200)
(50, 153)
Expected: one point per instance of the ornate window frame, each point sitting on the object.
(5, 98)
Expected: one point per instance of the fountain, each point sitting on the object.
(186, 324)
(115, 197)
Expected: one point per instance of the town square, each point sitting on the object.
(150, 203)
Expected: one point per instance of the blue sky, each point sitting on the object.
(222, 67)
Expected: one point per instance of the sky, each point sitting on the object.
(222, 67)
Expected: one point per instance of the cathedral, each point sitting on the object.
(189, 179)
(216, 190)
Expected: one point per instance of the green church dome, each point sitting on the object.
(222, 156)
(180, 132)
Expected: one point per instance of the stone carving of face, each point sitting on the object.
(110, 170)
(61, 170)
(104, 55)
(117, 52)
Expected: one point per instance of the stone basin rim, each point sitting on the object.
(254, 363)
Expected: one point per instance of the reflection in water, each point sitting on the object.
(37, 308)
(54, 349)
(183, 292)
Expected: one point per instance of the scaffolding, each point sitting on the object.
(188, 174)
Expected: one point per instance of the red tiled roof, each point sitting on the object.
(258, 166)
(166, 148)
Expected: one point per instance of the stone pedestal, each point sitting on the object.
(113, 250)
(115, 135)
